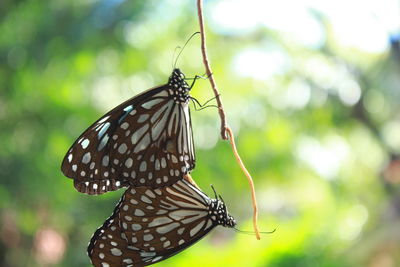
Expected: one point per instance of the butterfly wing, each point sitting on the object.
(151, 225)
(108, 246)
(147, 140)
(162, 222)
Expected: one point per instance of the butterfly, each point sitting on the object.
(150, 225)
(145, 141)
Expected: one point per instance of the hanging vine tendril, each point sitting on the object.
(225, 130)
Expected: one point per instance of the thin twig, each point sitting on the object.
(224, 128)
(189, 178)
(209, 71)
(249, 179)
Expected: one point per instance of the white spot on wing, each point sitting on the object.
(145, 199)
(85, 143)
(103, 142)
(157, 165)
(163, 163)
(166, 243)
(151, 103)
(149, 193)
(167, 228)
(103, 129)
(138, 212)
(156, 258)
(116, 252)
(162, 93)
(209, 223)
(122, 148)
(86, 158)
(143, 144)
(142, 118)
(103, 119)
(148, 237)
(160, 111)
(128, 162)
(136, 227)
(105, 160)
(127, 261)
(128, 108)
(196, 229)
(139, 133)
(147, 254)
(143, 166)
(125, 125)
(159, 221)
(180, 230)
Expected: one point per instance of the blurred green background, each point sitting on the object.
(311, 90)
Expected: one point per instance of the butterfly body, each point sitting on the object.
(145, 141)
(151, 225)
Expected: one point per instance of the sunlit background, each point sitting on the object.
(311, 89)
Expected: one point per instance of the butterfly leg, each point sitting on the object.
(198, 77)
(202, 106)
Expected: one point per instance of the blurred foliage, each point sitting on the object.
(321, 136)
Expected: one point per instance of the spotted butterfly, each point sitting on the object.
(150, 225)
(147, 140)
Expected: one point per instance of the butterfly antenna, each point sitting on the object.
(215, 192)
(180, 52)
(173, 56)
(253, 233)
(221, 198)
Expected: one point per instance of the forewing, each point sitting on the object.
(146, 140)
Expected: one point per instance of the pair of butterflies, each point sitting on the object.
(146, 144)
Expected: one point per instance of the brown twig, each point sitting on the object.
(249, 179)
(209, 71)
(189, 178)
(224, 128)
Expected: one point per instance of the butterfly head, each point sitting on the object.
(179, 87)
(219, 213)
